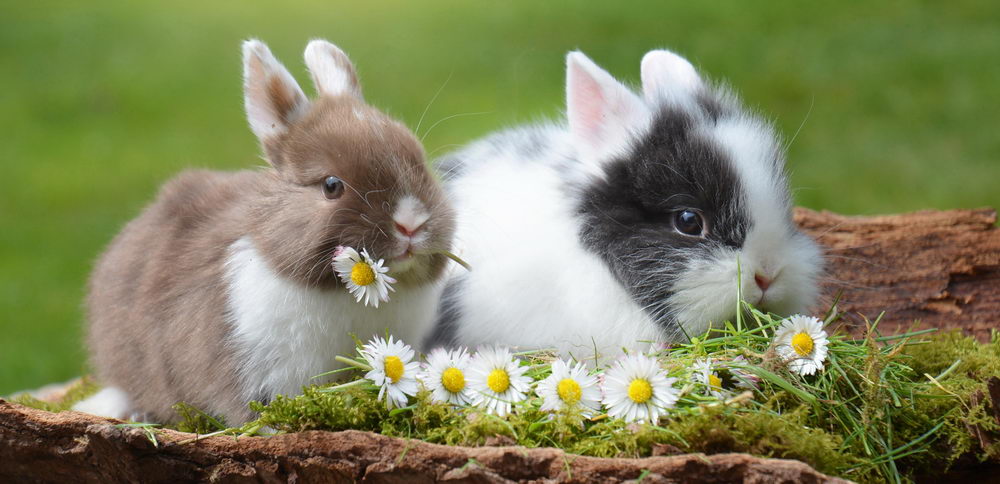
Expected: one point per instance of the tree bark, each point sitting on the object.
(938, 269)
(38, 446)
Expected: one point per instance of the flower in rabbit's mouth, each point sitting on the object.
(802, 342)
(637, 390)
(392, 370)
(364, 277)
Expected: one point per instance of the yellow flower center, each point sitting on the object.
(714, 381)
(640, 390)
(362, 274)
(569, 391)
(393, 368)
(802, 343)
(453, 379)
(498, 381)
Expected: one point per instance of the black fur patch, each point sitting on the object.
(628, 218)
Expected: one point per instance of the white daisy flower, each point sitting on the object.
(720, 379)
(637, 390)
(392, 371)
(497, 380)
(569, 387)
(704, 373)
(364, 278)
(445, 376)
(802, 342)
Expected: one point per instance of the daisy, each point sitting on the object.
(802, 342)
(445, 376)
(392, 371)
(569, 387)
(365, 278)
(637, 390)
(719, 379)
(704, 373)
(496, 380)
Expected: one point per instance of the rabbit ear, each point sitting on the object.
(272, 97)
(332, 72)
(602, 112)
(667, 76)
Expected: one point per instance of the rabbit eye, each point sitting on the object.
(689, 222)
(333, 187)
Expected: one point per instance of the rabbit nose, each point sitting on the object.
(762, 282)
(408, 230)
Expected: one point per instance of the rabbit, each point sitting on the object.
(637, 221)
(222, 291)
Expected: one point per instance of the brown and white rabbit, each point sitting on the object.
(222, 290)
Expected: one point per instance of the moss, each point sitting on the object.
(763, 433)
(196, 421)
(352, 408)
(77, 391)
(962, 368)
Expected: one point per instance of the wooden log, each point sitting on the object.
(938, 268)
(38, 446)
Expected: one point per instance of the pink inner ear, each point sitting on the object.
(587, 106)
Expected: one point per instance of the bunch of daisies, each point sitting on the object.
(635, 388)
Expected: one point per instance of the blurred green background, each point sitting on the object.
(101, 102)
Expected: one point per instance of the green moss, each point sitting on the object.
(196, 421)
(77, 391)
(962, 368)
(763, 433)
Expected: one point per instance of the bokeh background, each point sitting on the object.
(895, 106)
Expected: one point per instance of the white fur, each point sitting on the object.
(260, 68)
(668, 77)
(108, 402)
(411, 213)
(603, 114)
(284, 333)
(331, 69)
(532, 283)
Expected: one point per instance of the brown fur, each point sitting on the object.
(157, 305)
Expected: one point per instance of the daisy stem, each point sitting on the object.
(251, 431)
(458, 260)
(344, 386)
(205, 436)
(532, 352)
(354, 363)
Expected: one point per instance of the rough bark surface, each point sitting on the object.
(38, 446)
(939, 268)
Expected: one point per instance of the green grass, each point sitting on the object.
(102, 102)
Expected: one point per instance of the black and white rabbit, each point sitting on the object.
(629, 223)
